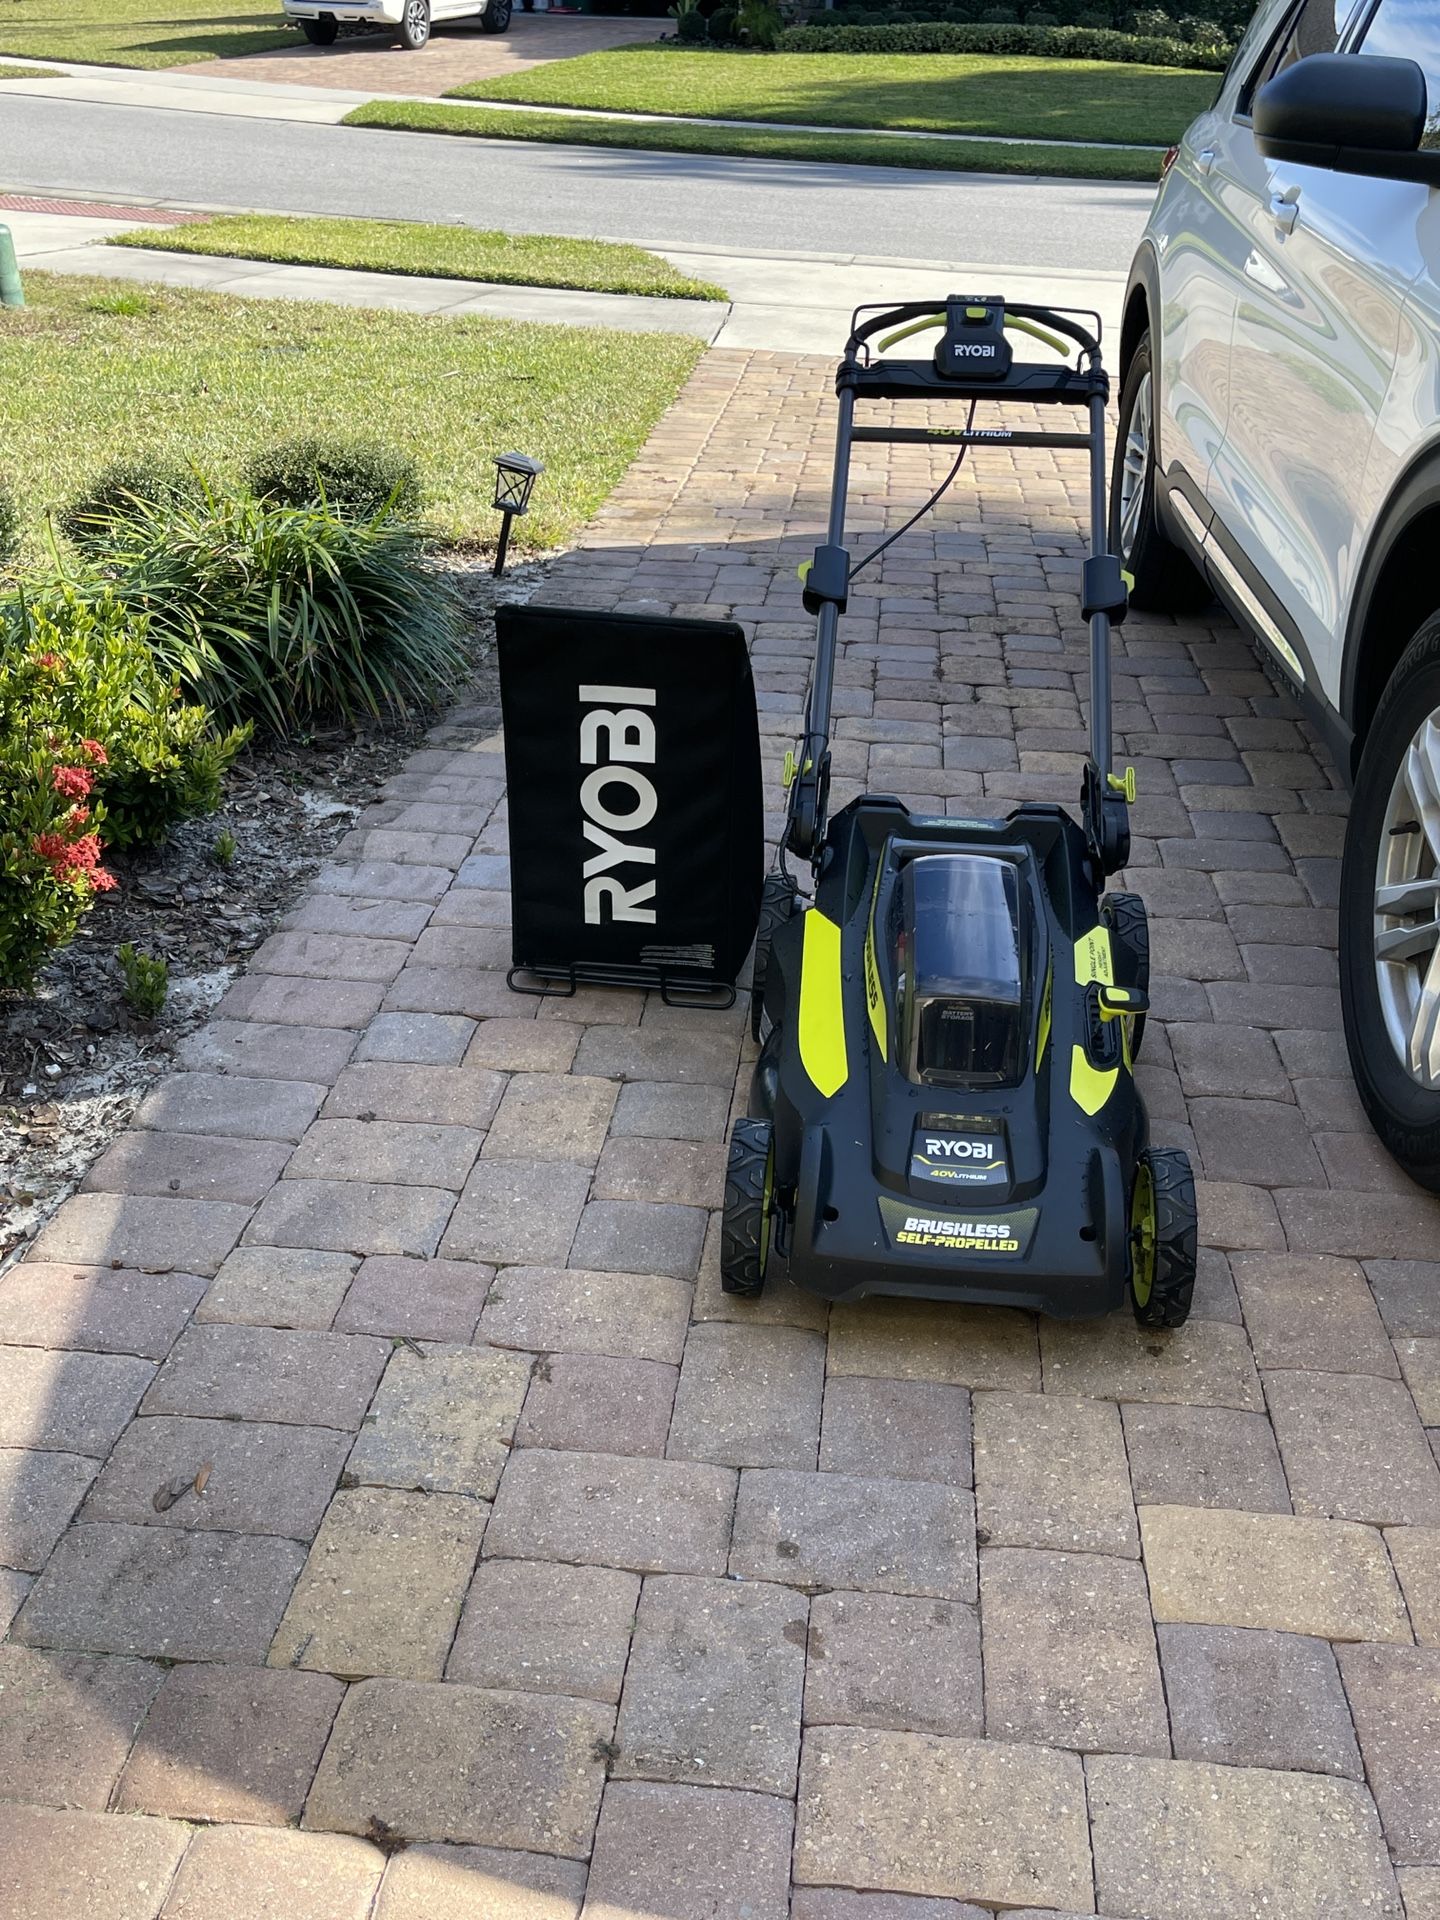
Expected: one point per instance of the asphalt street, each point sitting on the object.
(663, 200)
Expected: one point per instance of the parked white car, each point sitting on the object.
(321, 20)
(1279, 446)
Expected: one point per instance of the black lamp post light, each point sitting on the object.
(515, 476)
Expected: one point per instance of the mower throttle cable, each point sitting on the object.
(920, 512)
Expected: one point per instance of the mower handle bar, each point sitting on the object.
(938, 319)
(1056, 319)
(809, 794)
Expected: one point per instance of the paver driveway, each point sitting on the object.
(614, 1597)
(459, 53)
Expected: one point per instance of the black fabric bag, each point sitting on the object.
(632, 757)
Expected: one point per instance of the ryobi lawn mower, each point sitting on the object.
(943, 1105)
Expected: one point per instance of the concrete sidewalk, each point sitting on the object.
(534, 1578)
(780, 302)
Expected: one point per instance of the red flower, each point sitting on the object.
(102, 881)
(94, 753)
(73, 782)
(51, 662)
(53, 847)
(83, 853)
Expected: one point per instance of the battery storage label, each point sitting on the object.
(996, 1235)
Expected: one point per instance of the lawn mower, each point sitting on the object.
(943, 1105)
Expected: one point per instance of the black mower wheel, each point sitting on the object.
(1164, 1234)
(1129, 924)
(777, 905)
(745, 1224)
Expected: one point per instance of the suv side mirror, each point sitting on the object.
(1350, 113)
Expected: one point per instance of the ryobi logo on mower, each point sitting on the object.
(1000, 1234)
(962, 1159)
(617, 739)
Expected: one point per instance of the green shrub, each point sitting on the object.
(1059, 43)
(9, 524)
(353, 478)
(760, 23)
(76, 666)
(290, 616)
(724, 26)
(120, 491)
(1231, 16)
(692, 27)
(146, 979)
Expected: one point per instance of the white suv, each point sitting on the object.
(1279, 446)
(321, 20)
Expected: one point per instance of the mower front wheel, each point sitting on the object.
(1164, 1236)
(749, 1198)
(778, 900)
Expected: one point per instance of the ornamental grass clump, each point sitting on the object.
(291, 617)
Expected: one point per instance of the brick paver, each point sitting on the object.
(524, 1543)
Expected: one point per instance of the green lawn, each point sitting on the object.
(141, 33)
(451, 253)
(209, 378)
(28, 73)
(841, 149)
(934, 93)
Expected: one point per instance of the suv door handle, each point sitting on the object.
(1205, 159)
(1285, 208)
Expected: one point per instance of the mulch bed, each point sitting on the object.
(74, 1059)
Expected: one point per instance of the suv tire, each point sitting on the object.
(322, 32)
(1390, 973)
(496, 17)
(415, 25)
(1165, 580)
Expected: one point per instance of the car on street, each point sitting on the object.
(1279, 447)
(321, 20)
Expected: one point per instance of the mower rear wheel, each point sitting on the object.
(1164, 1234)
(778, 900)
(749, 1198)
(1129, 924)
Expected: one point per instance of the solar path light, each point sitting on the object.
(515, 477)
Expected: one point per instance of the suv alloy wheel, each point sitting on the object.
(1164, 579)
(415, 25)
(1390, 914)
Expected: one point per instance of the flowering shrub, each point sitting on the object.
(97, 749)
(49, 856)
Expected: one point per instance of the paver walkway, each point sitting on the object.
(614, 1597)
(459, 52)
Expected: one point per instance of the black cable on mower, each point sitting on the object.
(920, 512)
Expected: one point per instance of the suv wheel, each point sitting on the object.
(1390, 915)
(415, 25)
(1165, 580)
(496, 17)
(322, 32)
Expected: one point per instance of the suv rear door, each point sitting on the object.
(1326, 262)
